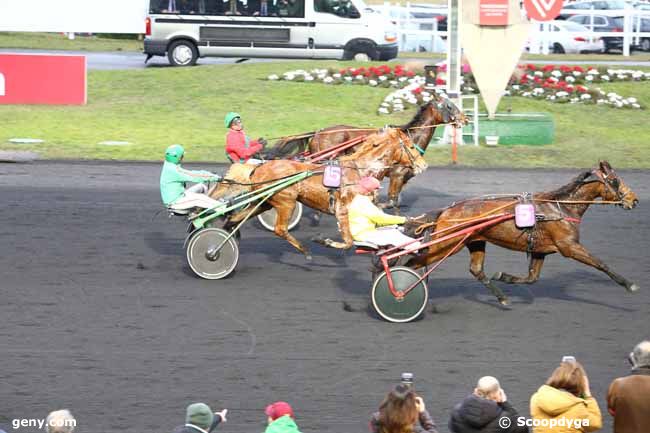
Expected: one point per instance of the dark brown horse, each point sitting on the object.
(421, 129)
(378, 153)
(557, 230)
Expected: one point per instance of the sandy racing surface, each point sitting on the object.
(101, 314)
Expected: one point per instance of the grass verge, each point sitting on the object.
(152, 108)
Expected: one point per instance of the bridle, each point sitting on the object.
(410, 156)
(611, 182)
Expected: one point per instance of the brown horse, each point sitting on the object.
(421, 129)
(377, 154)
(557, 231)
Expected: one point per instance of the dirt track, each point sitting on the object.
(101, 315)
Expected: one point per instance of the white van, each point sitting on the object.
(185, 30)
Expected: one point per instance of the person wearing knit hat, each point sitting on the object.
(280, 418)
(366, 219)
(199, 418)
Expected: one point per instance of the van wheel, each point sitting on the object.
(182, 53)
(558, 48)
(361, 57)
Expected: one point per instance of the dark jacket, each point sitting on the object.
(425, 423)
(188, 428)
(475, 414)
(628, 401)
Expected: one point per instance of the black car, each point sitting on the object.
(603, 23)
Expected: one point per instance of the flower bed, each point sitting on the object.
(558, 84)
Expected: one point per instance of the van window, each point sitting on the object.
(270, 8)
(341, 8)
(291, 8)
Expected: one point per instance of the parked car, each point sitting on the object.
(569, 37)
(580, 7)
(603, 23)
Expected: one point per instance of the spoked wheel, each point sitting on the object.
(399, 309)
(206, 259)
(267, 219)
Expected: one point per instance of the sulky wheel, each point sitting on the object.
(404, 309)
(204, 257)
(267, 219)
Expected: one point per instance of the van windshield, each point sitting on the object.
(341, 8)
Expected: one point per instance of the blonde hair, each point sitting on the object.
(569, 376)
(486, 386)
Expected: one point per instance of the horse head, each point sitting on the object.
(402, 151)
(614, 189)
(449, 112)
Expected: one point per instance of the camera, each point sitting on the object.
(569, 358)
(407, 379)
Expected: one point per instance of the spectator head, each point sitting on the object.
(488, 387)
(569, 376)
(398, 412)
(200, 415)
(277, 410)
(60, 421)
(640, 356)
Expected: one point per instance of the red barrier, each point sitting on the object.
(42, 79)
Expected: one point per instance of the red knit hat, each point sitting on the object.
(278, 409)
(368, 184)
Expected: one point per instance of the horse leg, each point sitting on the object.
(341, 213)
(577, 252)
(281, 229)
(477, 258)
(534, 269)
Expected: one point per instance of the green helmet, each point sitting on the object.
(230, 117)
(174, 153)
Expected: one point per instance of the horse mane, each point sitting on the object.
(288, 147)
(566, 190)
(417, 120)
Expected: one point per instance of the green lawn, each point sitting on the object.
(155, 107)
(58, 41)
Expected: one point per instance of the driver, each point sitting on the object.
(239, 147)
(172, 183)
(366, 219)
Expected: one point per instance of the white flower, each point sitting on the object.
(637, 74)
(593, 72)
(574, 100)
(328, 80)
(273, 77)
(612, 95)
(426, 94)
(619, 104)
(562, 94)
(383, 110)
(556, 74)
(585, 96)
(632, 100)
(577, 73)
(539, 73)
(309, 78)
(385, 104)
(525, 94)
(552, 97)
(589, 78)
(348, 79)
(426, 98)
(601, 102)
(538, 90)
(553, 79)
(336, 75)
(515, 87)
(636, 106)
(570, 79)
(359, 77)
(289, 76)
(383, 78)
(393, 83)
(372, 82)
(402, 79)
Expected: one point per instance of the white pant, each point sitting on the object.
(195, 196)
(389, 236)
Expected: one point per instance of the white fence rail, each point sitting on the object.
(423, 34)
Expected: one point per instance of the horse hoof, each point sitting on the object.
(497, 276)
(633, 288)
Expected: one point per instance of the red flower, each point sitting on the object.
(531, 67)
(548, 68)
(578, 68)
(410, 74)
(440, 81)
(582, 89)
(417, 91)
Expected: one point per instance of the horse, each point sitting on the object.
(377, 154)
(420, 129)
(558, 212)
